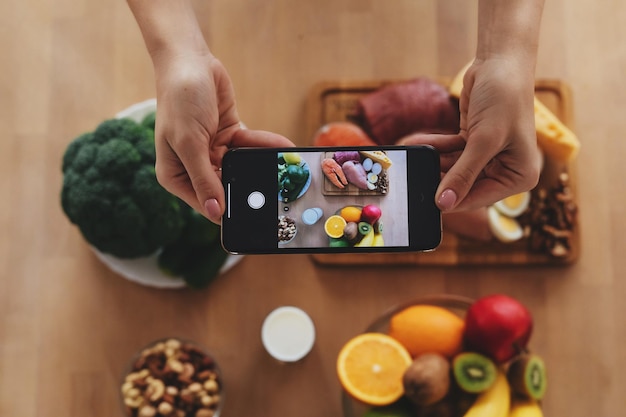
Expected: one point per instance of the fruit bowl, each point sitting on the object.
(420, 358)
(457, 304)
(172, 376)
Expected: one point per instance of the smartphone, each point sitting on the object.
(331, 200)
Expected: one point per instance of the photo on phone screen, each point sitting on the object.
(331, 200)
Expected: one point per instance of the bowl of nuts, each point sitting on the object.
(287, 229)
(172, 377)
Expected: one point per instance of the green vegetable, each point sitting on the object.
(297, 174)
(111, 193)
(149, 121)
(197, 255)
(291, 181)
(338, 243)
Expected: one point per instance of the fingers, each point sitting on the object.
(259, 138)
(465, 185)
(443, 143)
(462, 175)
(191, 170)
(188, 173)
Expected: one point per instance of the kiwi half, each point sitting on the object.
(473, 372)
(527, 376)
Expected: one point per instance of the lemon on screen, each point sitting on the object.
(292, 158)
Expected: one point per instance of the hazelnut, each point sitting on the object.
(210, 385)
(204, 412)
(206, 400)
(147, 411)
(165, 409)
(195, 388)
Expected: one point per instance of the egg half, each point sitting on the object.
(514, 205)
(505, 228)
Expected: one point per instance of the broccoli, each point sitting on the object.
(149, 120)
(197, 255)
(111, 193)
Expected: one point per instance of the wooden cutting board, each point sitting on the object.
(350, 189)
(337, 101)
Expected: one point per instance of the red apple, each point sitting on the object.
(370, 214)
(498, 326)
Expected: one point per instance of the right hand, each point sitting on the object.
(495, 154)
(196, 123)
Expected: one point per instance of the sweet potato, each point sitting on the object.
(341, 134)
(355, 174)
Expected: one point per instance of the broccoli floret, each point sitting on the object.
(149, 120)
(111, 193)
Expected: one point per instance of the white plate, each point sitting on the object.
(145, 270)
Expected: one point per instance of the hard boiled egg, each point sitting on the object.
(514, 205)
(505, 228)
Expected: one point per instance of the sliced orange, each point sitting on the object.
(370, 368)
(351, 214)
(334, 226)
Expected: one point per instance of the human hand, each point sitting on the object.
(495, 154)
(196, 123)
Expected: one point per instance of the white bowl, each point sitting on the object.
(145, 270)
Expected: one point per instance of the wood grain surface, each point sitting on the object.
(68, 325)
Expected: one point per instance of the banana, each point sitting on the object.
(525, 408)
(378, 240)
(495, 402)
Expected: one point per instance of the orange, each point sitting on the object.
(428, 329)
(334, 226)
(341, 134)
(351, 214)
(370, 368)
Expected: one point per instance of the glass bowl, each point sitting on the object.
(283, 222)
(456, 304)
(169, 376)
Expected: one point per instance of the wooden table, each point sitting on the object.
(68, 325)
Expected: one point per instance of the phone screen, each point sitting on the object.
(331, 200)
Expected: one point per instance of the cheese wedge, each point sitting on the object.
(378, 156)
(456, 85)
(553, 137)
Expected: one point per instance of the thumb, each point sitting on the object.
(259, 138)
(458, 181)
(206, 183)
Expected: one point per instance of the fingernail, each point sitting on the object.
(213, 210)
(447, 199)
